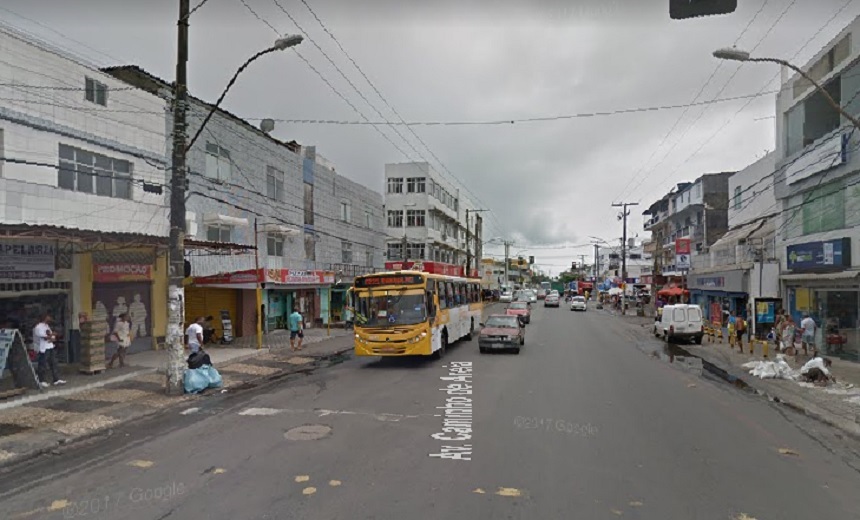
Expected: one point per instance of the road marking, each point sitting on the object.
(141, 463)
(744, 516)
(189, 411)
(219, 471)
(479, 491)
(509, 492)
(260, 411)
(334, 483)
(636, 503)
(617, 512)
(302, 478)
(787, 451)
(309, 491)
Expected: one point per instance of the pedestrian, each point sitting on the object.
(122, 336)
(194, 334)
(787, 335)
(347, 316)
(817, 371)
(208, 330)
(296, 323)
(741, 329)
(44, 338)
(807, 338)
(731, 329)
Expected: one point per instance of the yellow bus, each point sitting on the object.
(413, 313)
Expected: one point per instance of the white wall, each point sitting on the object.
(757, 196)
(35, 119)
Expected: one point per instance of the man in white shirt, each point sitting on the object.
(807, 326)
(194, 334)
(43, 338)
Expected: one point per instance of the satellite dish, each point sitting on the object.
(267, 125)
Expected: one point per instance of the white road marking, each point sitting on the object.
(323, 412)
(260, 411)
(189, 411)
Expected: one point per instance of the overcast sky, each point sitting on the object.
(549, 182)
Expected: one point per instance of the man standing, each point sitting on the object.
(194, 334)
(296, 323)
(44, 338)
(807, 338)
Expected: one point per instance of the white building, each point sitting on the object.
(818, 187)
(428, 214)
(84, 181)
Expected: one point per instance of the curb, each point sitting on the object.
(9, 464)
(794, 402)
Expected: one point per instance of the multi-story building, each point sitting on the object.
(740, 268)
(817, 185)
(426, 217)
(83, 207)
(492, 273)
(274, 215)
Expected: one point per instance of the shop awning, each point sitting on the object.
(821, 277)
(733, 236)
(672, 291)
(215, 218)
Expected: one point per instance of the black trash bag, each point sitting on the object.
(198, 359)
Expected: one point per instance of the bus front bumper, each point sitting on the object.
(416, 345)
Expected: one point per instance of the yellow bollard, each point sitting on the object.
(765, 344)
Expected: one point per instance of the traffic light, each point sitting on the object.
(683, 9)
(531, 260)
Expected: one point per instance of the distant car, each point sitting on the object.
(506, 296)
(541, 294)
(530, 295)
(502, 331)
(551, 300)
(578, 304)
(521, 310)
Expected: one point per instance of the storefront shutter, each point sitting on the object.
(203, 301)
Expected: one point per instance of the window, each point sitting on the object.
(368, 219)
(415, 185)
(395, 185)
(368, 258)
(274, 183)
(415, 218)
(698, 190)
(218, 165)
(275, 245)
(415, 251)
(96, 92)
(824, 209)
(346, 252)
(456, 204)
(345, 212)
(737, 198)
(94, 173)
(395, 251)
(309, 204)
(395, 218)
(219, 232)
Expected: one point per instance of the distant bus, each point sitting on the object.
(546, 286)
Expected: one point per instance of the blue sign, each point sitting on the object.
(764, 312)
(817, 256)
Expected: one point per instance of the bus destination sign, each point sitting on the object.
(394, 279)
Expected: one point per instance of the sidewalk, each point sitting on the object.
(837, 404)
(41, 422)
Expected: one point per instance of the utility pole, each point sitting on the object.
(507, 260)
(469, 241)
(596, 264)
(176, 252)
(624, 214)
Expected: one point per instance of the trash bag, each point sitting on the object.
(198, 359)
(214, 377)
(196, 380)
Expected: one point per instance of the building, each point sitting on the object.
(492, 273)
(740, 269)
(83, 209)
(274, 216)
(427, 218)
(817, 185)
(639, 265)
(697, 211)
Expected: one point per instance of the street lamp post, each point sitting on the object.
(739, 55)
(176, 250)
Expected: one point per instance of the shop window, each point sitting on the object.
(88, 172)
(219, 233)
(274, 245)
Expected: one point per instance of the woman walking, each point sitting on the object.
(122, 336)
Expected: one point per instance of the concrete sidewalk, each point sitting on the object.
(42, 423)
(837, 405)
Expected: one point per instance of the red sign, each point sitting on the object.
(280, 276)
(238, 277)
(431, 267)
(122, 272)
(682, 246)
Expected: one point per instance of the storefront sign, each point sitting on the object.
(765, 312)
(107, 273)
(818, 256)
(238, 277)
(682, 246)
(724, 281)
(27, 260)
(290, 276)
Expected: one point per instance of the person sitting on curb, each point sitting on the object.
(817, 371)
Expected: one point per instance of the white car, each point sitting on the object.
(530, 296)
(506, 297)
(578, 304)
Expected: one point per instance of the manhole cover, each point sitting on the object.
(308, 432)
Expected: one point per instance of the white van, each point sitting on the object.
(682, 321)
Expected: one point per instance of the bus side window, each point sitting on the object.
(449, 294)
(458, 292)
(470, 294)
(443, 295)
(431, 291)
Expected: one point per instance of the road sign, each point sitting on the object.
(682, 246)
(682, 261)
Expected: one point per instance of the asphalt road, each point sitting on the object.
(589, 421)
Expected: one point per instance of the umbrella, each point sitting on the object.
(672, 291)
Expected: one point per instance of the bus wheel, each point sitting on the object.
(443, 349)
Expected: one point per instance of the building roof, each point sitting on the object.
(155, 84)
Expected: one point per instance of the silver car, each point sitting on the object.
(578, 304)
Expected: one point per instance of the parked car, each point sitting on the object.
(551, 300)
(502, 331)
(578, 303)
(680, 322)
(520, 309)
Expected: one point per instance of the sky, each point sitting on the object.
(550, 183)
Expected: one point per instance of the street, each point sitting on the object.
(588, 421)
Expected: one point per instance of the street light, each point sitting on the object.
(743, 56)
(178, 179)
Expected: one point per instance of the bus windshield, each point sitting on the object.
(390, 310)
